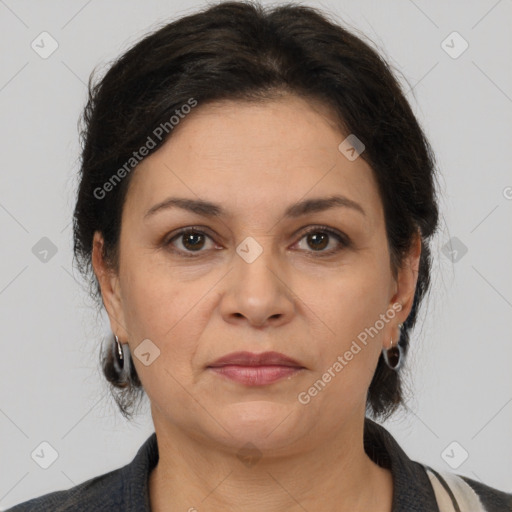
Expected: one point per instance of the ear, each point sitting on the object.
(406, 280)
(110, 289)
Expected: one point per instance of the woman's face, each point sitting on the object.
(252, 279)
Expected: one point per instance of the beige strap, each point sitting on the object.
(466, 499)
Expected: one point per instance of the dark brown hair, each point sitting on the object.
(242, 51)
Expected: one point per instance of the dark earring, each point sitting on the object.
(393, 356)
(119, 353)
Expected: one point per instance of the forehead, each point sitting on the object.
(247, 154)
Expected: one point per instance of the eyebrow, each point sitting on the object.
(209, 209)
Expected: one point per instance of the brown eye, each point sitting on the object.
(192, 240)
(189, 241)
(318, 238)
(318, 241)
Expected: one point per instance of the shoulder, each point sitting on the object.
(102, 493)
(420, 485)
(464, 493)
(120, 489)
(493, 499)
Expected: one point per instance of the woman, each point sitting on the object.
(255, 206)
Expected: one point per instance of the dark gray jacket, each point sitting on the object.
(126, 489)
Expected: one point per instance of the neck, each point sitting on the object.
(336, 475)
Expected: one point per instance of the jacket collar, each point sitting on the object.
(412, 490)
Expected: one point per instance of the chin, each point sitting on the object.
(265, 423)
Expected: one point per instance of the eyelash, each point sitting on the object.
(341, 238)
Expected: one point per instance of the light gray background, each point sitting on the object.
(460, 360)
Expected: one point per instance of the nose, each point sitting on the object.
(256, 293)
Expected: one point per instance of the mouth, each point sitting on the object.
(256, 369)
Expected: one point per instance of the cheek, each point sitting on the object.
(160, 308)
(349, 307)
(353, 300)
(166, 312)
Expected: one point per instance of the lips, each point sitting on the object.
(253, 359)
(253, 369)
